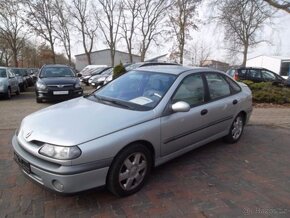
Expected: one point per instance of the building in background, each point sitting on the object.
(277, 64)
(218, 65)
(103, 57)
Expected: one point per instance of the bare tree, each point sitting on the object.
(283, 5)
(109, 17)
(84, 24)
(11, 27)
(182, 16)
(199, 52)
(242, 20)
(130, 23)
(5, 53)
(62, 26)
(40, 17)
(151, 15)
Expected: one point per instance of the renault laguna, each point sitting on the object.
(114, 136)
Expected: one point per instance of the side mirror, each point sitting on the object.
(79, 75)
(180, 106)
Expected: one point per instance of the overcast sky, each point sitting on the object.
(277, 32)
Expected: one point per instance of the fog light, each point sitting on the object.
(58, 185)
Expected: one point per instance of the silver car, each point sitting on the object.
(8, 83)
(117, 134)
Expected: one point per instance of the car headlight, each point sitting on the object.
(60, 152)
(77, 85)
(40, 85)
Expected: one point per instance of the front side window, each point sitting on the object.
(3, 73)
(218, 86)
(191, 90)
(268, 75)
(137, 90)
(56, 72)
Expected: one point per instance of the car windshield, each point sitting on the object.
(56, 72)
(3, 73)
(18, 72)
(136, 90)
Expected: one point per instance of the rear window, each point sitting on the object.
(231, 72)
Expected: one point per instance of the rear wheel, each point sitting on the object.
(8, 94)
(38, 100)
(236, 129)
(130, 170)
(18, 91)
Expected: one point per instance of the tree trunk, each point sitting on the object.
(89, 58)
(15, 59)
(53, 53)
(245, 54)
(181, 50)
(112, 57)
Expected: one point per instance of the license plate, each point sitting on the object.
(22, 163)
(60, 92)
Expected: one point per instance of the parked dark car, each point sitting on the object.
(27, 79)
(57, 82)
(96, 71)
(98, 80)
(255, 75)
(287, 83)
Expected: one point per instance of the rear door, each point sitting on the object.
(254, 75)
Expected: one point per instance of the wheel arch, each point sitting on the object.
(146, 143)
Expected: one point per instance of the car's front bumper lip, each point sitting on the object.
(74, 178)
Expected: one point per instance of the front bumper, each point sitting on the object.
(48, 94)
(60, 178)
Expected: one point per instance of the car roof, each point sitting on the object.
(174, 69)
(56, 65)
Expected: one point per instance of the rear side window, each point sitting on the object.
(218, 86)
(254, 73)
(235, 88)
(242, 72)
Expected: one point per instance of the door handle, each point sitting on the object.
(235, 101)
(203, 112)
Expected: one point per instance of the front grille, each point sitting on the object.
(60, 85)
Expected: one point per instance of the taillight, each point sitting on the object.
(236, 75)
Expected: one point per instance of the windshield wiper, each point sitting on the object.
(112, 101)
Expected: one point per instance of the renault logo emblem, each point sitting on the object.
(28, 134)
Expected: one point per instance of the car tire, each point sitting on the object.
(18, 91)
(236, 129)
(131, 167)
(38, 100)
(8, 94)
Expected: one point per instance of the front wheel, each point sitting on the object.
(129, 170)
(236, 129)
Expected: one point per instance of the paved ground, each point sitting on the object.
(250, 178)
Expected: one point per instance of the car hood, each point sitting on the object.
(79, 120)
(59, 80)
